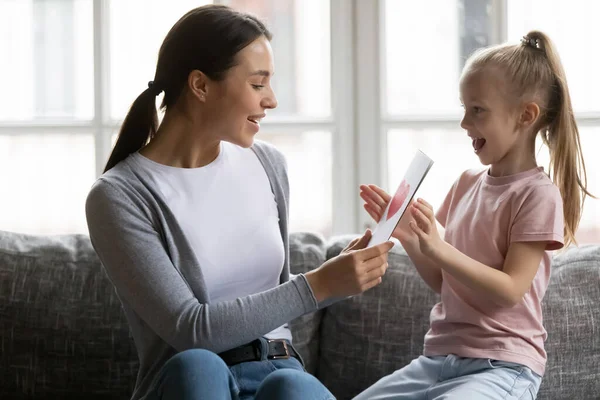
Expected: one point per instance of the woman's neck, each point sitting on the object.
(179, 142)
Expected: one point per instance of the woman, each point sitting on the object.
(190, 222)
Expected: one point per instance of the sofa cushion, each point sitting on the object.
(371, 335)
(572, 318)
(62, 330)
(307, 252)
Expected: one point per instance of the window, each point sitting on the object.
(302, 84)
(79, 64)
(422, 56)
(361, 86)
(46, 135)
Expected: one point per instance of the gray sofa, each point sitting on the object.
(63, 334)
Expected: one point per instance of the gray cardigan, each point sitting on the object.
(159, 281)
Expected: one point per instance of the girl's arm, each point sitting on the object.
(505, 287)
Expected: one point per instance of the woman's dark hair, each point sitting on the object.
(207, 39)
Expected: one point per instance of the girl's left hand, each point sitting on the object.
(425, 228)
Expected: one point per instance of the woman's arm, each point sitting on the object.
(145, 278)
(136, 262)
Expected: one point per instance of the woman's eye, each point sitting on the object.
(477, 110)
(258, 87)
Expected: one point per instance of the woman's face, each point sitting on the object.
(237, 104)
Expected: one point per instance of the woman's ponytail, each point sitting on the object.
(138, 128)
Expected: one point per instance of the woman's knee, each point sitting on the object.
(193, 374)
(196, 362)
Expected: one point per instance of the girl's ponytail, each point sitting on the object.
(561, 135)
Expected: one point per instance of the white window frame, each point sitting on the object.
(358, 123)
(372, 123)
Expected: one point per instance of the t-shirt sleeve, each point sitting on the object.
(540, 218)
(442, 213)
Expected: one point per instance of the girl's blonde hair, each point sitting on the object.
(535, 73)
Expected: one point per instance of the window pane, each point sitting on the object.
(309, 162)
(452, 153)
(301, 47)
(55, 174)
(137, 30)
(425, 51)
(47, 49)
(574, 28)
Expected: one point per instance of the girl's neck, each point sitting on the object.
(505, 169)
(520, 158)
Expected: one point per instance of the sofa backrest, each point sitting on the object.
(62, 329)
(63, 333)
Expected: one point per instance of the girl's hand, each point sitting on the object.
(425, 228)
(376, 201)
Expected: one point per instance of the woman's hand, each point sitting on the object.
(355, 270)
(425, 228)
(376, 201)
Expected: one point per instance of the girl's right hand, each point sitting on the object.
(376, 201)
(355, 270)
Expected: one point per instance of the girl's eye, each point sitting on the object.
(477, 110)
(258, 87)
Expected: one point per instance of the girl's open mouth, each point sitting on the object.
(478, 144)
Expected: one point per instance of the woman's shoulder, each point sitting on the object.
(269, 152)
(117, 181)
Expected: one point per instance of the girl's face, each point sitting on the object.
(491, 120)
(239, 102)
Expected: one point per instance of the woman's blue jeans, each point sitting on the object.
(202, 375)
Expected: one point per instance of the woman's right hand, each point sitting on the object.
(376, 201)
(355, 270)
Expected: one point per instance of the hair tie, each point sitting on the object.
(531, 42)
(154, 89)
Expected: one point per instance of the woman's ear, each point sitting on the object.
(529, 115)
(198, 85)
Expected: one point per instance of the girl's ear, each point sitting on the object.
(529, 114)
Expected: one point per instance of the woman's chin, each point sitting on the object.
(245, 141)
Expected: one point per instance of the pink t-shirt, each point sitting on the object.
(483, 215)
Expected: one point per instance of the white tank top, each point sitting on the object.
(228, 213)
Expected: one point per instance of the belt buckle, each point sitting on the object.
(285, 347)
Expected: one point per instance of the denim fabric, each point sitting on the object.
(201, 374)
(452, 377)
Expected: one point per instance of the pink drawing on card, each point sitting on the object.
(399, 199)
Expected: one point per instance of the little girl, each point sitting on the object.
(486, 339)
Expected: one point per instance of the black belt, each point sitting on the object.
(278, 349)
